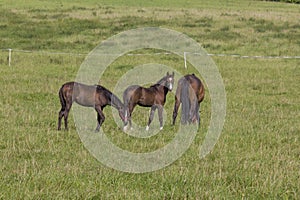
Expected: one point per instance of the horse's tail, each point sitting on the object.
(62, 98)
(194, 109)
(184, 96)
(127, 95)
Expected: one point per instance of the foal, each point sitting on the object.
(95, 96)
(154, 97)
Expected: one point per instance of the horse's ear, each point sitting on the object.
(173, 73)
(167, 73)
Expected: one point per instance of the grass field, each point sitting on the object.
(258, 153)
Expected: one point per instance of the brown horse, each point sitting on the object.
(190, 92)
(95, 96)
(154, 97)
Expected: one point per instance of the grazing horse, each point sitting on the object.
(154, 97)
(190, 92)
(95, 96)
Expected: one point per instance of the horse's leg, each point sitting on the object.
(98, 121)
(176, 106)
(63, 108)
(152, 111)
(160, 116)
(66, 114)
(177, 101)
(126, 119)
(60, 115)
(100, 117)
(130, 108)
(127, 115)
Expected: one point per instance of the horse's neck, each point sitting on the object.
(116, 102)
(164, 89)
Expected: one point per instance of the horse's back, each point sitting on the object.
(129, 91)
(80, 93)
(67, 85)
(139, 95)
(131, 88)
(74, 85)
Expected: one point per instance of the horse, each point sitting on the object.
(190, 92)
(154, 97)
(95, 96)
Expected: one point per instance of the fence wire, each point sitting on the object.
(147, 54)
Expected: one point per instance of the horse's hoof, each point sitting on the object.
(147, 128)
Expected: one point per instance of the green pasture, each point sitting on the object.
(258, 153)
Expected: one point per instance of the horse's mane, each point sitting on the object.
(161, 80)
(115, 101)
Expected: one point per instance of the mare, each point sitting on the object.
(95, 96)
(189, 92)
(154, 97)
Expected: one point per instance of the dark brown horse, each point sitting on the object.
(95, 96)
(154, 97)
(189, 92)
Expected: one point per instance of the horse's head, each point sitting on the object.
(122, 114)
(169, 81)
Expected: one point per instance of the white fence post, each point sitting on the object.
(9, 56)
(184, 56)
